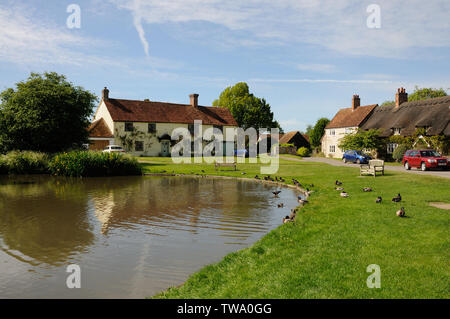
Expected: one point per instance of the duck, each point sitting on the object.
(401, 212)
(243, 173)
(378, 200)
(293, 214)
(338, 183)
(367, 189)
(344, 194)
(281, 205)
(302, 201)
(276, 193)
(311, 185)
(339, 188)
(256, 177)
(397, 198)
(286, 220)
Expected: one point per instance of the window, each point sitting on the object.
(397, 131)
(391, 147)
(129, 127)
(151, 128)
(191, 128)
(219, 127)
(138, 146)
(332, 132)
(332, 148)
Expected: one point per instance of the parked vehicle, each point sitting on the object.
(424, 159)
(113, 149)
(241, 153)
(355, 156)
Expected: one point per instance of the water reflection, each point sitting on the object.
(146, 233)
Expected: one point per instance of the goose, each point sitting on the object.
(338, 183)
(401, 212)
(378, 200)
(397, 199)
(344, 194)
(367, 189)
(276, 193)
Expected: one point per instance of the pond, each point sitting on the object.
(131, 236)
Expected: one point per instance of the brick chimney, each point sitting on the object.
(355, 102)
(105, 94)
(400, 97)
(194, 99)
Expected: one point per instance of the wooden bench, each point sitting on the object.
(374, 167)
(217, 165)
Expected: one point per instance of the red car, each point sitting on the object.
(424, 159)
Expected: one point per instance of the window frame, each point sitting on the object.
(126, 126)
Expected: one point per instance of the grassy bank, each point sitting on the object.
(325, 253)
(75, 163)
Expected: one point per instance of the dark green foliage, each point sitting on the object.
(361, 140)
(318, 131)
(45, 113)
(426, 93)
(399, 152)
(85, 163)
(247, 109)
(26, 162)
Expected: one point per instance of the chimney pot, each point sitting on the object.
(400, 97)
(194, 99)
(105, 94)
(356, 101)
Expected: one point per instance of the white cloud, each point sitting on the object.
(335, 25)
(316, 67)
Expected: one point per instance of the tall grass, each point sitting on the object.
(87, 163)
(24, 162)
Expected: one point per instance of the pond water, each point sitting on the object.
(131, 236)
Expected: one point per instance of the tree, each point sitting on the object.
(361, 140)
(309, 129)
(318, 131)
(44, 113)
(426, 93)
(247, 109)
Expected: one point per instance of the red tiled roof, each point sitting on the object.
(99, 129)
(351, 118)
(161, 112)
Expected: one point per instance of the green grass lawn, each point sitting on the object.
(325, 253)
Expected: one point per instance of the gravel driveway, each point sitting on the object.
(445, 174)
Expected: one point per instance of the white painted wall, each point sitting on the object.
(332, 137)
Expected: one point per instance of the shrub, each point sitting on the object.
(287, 145)
(399, 152)
(24, 162)
(88, 163)
(303, 151)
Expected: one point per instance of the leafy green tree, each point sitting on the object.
(398, 153)
(44, 113)
(318, 131)
(426, 93)
(361, 140)
(247, 109)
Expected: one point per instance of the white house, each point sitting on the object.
(145, 127)
(346, 121)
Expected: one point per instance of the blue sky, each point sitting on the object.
(306, 58)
